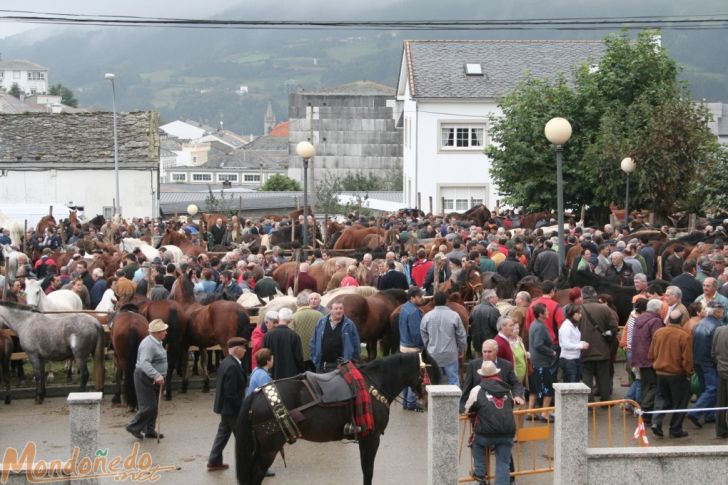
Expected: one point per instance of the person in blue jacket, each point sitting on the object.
(335, 339)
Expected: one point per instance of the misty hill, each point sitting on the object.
(195, 73)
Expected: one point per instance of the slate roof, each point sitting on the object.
(20, 65)
(356, 88)
(436, 68)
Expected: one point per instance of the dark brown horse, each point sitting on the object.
(212, 324)
(372, 315)
(128, 329)
(469, 284)
(6, 352)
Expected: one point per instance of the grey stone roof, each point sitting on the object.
(436, 68)
(356, 88)
(36, 141)
(12, 105)
(271, 151)
(20, 65)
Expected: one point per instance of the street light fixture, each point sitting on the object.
(558, 132)
(117, 205)
(306, 151)
(628, 167)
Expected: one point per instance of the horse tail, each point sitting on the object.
(173, 340)
(132, 349)
(243, 328)
(99, 355)
(245, 443)
(394, 335)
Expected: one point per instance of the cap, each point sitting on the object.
(714, 304)
(157, 260)
(157, 325)
(237, 342)
(146, 264)
(414, 291)
(455, 261)
(488, 369)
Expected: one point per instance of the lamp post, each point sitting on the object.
(306, 151)
(117, 205)
(628, 167)
(558, 132)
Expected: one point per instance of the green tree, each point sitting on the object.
(66, 95)
(709, 192)
(280, 183)
(14, 90)
(631, 105)
(217, 204)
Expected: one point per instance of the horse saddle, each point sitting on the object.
(329, 388)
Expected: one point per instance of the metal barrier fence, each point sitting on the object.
(533, 445)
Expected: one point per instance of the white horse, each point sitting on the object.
(11, 262)
(129, 244)
(57, 300)
(108, 301)
(175, 252)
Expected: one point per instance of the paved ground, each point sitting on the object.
(189, 425)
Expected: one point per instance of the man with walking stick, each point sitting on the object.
(151, 369)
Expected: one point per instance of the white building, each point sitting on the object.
(446, 93)
(49, 158)
(31, 78)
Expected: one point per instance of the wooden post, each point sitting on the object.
(419, 200)
(442, 206)
(298, 269)
(692, 219)
(430, 197)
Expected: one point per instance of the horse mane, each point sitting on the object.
(394, 294)
(129, 307)
(18, 306)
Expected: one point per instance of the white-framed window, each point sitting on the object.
(108, 212)
(476, 202)
(179, 177)
(227, 177)
(448, 204)
(202, 177)
(462, 137)
(461, 204)
(251, 177)
(36, 75)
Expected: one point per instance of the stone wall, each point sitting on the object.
(39, 141)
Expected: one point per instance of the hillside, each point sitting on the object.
(195, 74)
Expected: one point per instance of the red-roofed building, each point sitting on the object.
(281, 129)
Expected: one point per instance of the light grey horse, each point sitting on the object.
(54, 338)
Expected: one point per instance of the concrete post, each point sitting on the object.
(571, 433)
(85, 419)
(442, 434)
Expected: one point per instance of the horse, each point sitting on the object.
(128, 329)
(371, 316)
(10, 256)
(353, 238)
(174, 238)
(386, 378)
(6, 352)
(212, 324)
(57, 300)
(129, 244)
(44, 223)
(56, 337)
(321, 272)
(469, 283)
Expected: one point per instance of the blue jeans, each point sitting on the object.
(572, 369)
(502, 446)
(451, 372)
(409, 398)
(635, 389)
(708, 377)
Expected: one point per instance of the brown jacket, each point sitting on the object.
(671, 351)
(596, 319)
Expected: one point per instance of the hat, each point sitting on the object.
(414, 291)
(157, 260)
(146, 264)
(237, 342)
(488, 369)
(455, 261)
(157, 325)
(717, 258)
(269, 251)
(47, 251)
(714, 304)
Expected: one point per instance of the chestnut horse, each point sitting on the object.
(352, 238)
(174, 238)
(212, 324)
(371, 316)
(469, 284)
(128, 329)
(321, 272)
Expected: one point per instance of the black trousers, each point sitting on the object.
(600, 370)
(224, 430)
(721, 426)
(146, 392)
(649, 391)
(675, 393)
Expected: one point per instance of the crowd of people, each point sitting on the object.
(675, 333)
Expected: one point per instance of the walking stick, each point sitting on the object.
(157, 428)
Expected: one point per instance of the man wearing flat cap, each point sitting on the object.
(151, 369)
(229, 394)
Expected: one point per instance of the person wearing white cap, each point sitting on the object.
(286, 346)
(492, 403)
(264, 325)
(151, 369)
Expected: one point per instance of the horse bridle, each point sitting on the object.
(375, 389)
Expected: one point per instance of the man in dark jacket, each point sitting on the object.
(484, 319)
(598, 326)
(673, 264)
(512, 269)
(471, 379)
(286, 347)
(546, 264)
(229, 393)
(691, 288)
(218, 232)
(392, 279)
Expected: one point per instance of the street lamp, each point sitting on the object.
(628, 167)
(306, 151)
(110, 77)
(558, 132)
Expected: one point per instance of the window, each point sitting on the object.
(448, 204)
(36, 75)
(476, 202)
(462, 137)
(202, 177)
(473, 70)
(179, 177)
(251, 177)
(227, 177)
(461, 204)
(108, 212)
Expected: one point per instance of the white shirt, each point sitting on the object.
(570, 340)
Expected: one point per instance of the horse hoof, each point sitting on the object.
(116, 400)
(39, 400)
(205, 388)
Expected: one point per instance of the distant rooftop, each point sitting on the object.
(280, 130)
(20, 65)
(356, 88)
